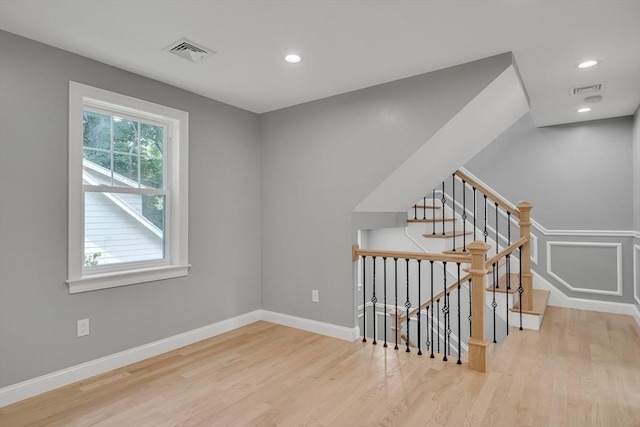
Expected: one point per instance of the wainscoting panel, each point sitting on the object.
(587, 267)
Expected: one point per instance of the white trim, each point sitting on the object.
(558, 299)
(617, 246)
(124, 278)
(322, 328)
(44, 383)
(636, 314)
(176, 235)
(546, 232)
(636, 262)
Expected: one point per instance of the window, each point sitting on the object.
(128, 206)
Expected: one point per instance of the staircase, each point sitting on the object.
(474, 263)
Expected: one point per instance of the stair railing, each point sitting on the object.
(520, 213)
(401, 263)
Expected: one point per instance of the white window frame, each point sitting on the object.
(176, 159)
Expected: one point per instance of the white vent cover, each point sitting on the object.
(585, 90)
(187, 49)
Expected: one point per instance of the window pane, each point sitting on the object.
(151, 172)
(96, 130)
(125, 136)
(125, 170)
(123, 228)
(151, 140)
(96, 167)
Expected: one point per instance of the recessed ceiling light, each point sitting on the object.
(584, 110)
(588, 64)
(293, 58)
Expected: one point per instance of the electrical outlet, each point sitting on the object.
(83, 327)
(315, 296)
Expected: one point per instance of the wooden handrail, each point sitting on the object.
(490, 194)
(436, 297)
(509, 249)
(506, 251)
(423, 256)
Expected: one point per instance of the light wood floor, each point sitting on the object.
(582, 369)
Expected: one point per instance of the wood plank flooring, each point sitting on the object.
(582, 369)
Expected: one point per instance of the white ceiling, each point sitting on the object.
(349, 45)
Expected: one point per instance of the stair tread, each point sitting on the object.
(446, 235)
(429, 220)
(502, 284)
(425, 207)
(540, 299)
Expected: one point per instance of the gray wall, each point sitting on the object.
(636, 170)
(320, 159)
(636, 201)
(584, 167)
(37, 315)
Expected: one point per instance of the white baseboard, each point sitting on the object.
(636, 314)
(559, 299)
(322, 328)
(29, 388)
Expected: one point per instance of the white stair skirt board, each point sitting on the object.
(33, 387)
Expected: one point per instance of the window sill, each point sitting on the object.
(124, 278)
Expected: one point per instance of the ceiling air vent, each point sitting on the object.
(187, 49)
(585, 90)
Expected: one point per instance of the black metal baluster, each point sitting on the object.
(459, 362)
(453, 208)
(464, 216)
(494, 304)
(395, 261)
(419, 314)
(373, 301)
(433, 211)
(384, 259)
(438, 330)
(424, 208)
(497, 235)
(509, 244)
(497, 248)
(444, 201)
(506, 294)
(475, 202)
(432, 342)
(364, 298)
(407, 306)
(445, 309)
(415, 211)
(485, 233)
(520, 289)
(470, 317)
(448, 298)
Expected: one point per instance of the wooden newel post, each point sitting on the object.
(478, 345)
(527, 276)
